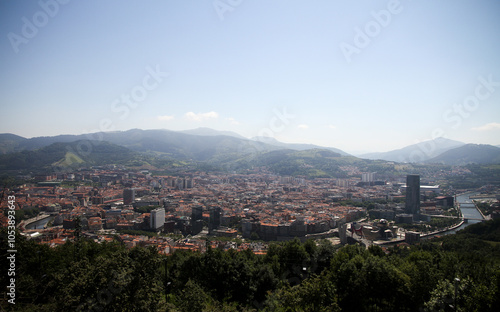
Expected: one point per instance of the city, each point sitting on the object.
(245, 156)
(248, 208)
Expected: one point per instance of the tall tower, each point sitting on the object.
(214, 220)
(412, 205)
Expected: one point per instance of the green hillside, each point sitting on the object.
(62, 156)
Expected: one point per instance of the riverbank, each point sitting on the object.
(23, 224)
(451, 228)
(479, 210)
(424, 236)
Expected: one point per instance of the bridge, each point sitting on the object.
(455, 217)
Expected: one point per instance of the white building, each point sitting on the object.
(368, 177)
(157, 218)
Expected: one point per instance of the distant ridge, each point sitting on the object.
(204, 131)
(192, 143)
(416, 153)
(469, 154)
(65, 155)
(297, 146)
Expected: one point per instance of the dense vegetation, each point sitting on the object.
(63, 156)
(293, 276)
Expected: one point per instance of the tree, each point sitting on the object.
(314, 294)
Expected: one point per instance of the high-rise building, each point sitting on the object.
(196, 219)
(412, 204)
(368, 177)
(128, 196)
(157, 218)
(214, 220)
(196, 213)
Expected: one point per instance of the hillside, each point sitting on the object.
(10, 143)
(61, 156)
(469, 154)
(204, 131)
(297, 146)
(169, 143)
(199, 144)
(416, 153)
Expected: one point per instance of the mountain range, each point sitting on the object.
(222, 149)
(419, 152)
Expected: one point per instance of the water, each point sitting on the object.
(38, 224)
(469, 211)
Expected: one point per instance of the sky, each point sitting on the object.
(362, 76)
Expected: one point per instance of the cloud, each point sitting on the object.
(303, 126)
(332, 127)
(232, 121)
(488, 127)
(201, 116)
(165, 118)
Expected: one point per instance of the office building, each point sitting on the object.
(214, 220)
(196, 219)
(128, 196)
(412, 204)
(157, 218)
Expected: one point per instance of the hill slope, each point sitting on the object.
(61, 156)
(169, 143)
(297, 146)
(416, 153)
(468, 154)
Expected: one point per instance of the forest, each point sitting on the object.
(458, 272)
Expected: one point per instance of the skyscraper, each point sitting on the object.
(214, 220)
(196, 219)
(412, 205)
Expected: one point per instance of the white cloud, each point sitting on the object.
(165, 118)
(201, 116)
(303, 126)
(232, 121)
(332, 127)
(488, 127)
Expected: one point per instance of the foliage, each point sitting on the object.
(292, 276)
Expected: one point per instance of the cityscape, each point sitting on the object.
(232, 155)
(259, 207)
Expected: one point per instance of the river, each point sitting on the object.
(469, 211)
(39, 224)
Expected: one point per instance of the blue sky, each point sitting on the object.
(357, 75)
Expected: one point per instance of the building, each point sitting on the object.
(128, 196)
(215, 216)
(368, 177)
(157, 218)
(196, 219)
(404, 218)
(445, 201)
(412, 237)
(412, 204)
(196, 213)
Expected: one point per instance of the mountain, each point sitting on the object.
(417, 153)
(296, 146)
(10, 143)
(199, 144)
(60, 156)
(168, 143)
(468, 154)
(211, 132)
(179, 145)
